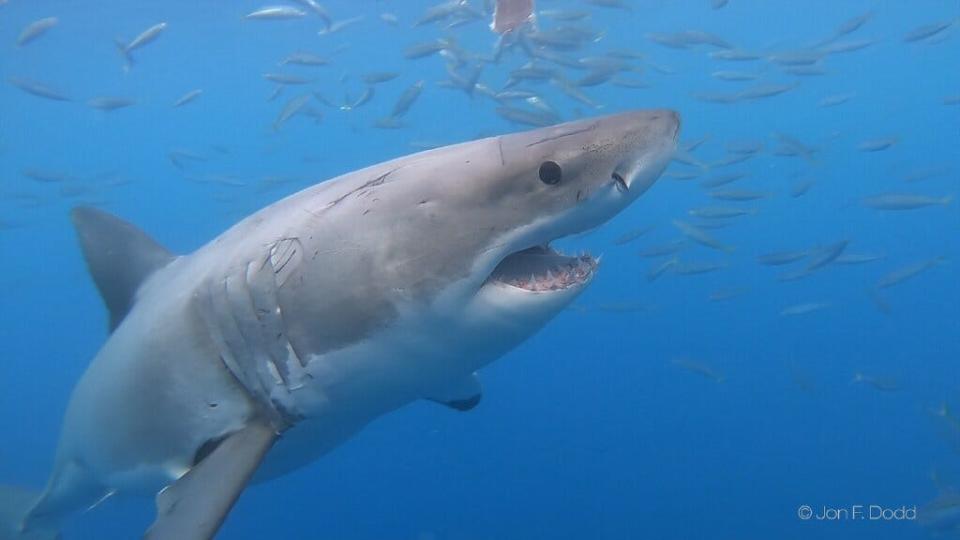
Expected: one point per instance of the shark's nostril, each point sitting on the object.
(621, 183)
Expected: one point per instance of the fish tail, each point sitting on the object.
(15, 504)
(124, 51)
(947, 200)
(121, 47)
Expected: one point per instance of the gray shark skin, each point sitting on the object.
(299, 325)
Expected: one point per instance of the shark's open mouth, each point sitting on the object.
(541, 269)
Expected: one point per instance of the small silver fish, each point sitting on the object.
(107, 103)
(526, 117)
(732, 159)
(857, 258)
(801, 57)
(595, 77)
(378, 77)
(847, 46)
(318, 10)
(734, 76)
(276, 13)
(696, 268)
(734, 55)
(388, 122)
(746, 147)
(926, 31)
(147, 36)
(825, 255)
(894, 201)
(836, 99)
(720, 212)
(803, 309)
(765, 91)
(659, 269)
(876, 145)
(801, 187)
(806, 71)
(338, 26)
(663, 249)
(700, 236)
(303, 58)
(699, 368)
(291, 108)
(617, 4)
(407, 98)
(421, 50)
(188, 97)
(722, 179)
(364, 98)
(926, 173)
(903, 274)
(283, 78)
(47, 176)
(730, 293)
(782, 257)
(632, 235)
(35, 30)
(38, 89)
(884, 384)
(564, 15)
(852, 24)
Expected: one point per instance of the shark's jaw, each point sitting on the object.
(543, 270)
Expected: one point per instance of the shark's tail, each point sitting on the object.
(15, 502)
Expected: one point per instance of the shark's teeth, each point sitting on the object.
(566, 273)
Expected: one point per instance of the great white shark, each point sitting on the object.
(285, 335)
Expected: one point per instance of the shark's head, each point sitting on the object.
(547, 184)
(461, 233)
(565, 180)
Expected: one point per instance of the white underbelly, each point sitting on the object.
(351, 387)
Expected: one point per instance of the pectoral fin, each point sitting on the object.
(462, 394)
(195, 506)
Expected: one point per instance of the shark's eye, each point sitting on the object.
(550, 172)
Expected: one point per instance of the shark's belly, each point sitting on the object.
(348, 388)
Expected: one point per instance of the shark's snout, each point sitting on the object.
(666, 122)
(637, 171)
(672, 119)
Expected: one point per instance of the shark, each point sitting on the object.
(284, 336)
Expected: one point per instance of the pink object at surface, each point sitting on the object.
(510, 14)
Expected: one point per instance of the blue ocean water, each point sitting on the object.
(603, 425)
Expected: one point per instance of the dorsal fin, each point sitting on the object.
(119, 256)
